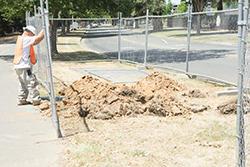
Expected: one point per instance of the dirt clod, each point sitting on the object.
(44, 106)
(195, 93)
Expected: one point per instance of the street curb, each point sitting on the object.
(226, 93)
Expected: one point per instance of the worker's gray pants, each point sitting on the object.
(27, 85)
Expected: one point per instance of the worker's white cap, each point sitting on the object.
(31, 29)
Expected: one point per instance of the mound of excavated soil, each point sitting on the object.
(229, 107)
(156, 94)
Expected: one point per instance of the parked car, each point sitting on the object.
(94, 25)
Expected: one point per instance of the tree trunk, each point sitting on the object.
(63, 27)
(157, 24)
(198, 31)
(68, 26)
(220, 5)
(53, 37)
(136, 23)
(114, 22)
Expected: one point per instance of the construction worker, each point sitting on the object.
(24, 60)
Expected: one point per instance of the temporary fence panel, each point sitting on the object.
(40, 68)
(132, 45)
(209, 55)
(198, 57)
(164, 51)
(87, 30)
(43, 68)
(161, 41)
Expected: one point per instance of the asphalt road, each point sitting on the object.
(27, 139)
(215, 60)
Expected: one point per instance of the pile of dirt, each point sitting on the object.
(228, 107)
(156, 94)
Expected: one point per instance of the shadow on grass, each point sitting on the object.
(67, 44)
(161, 56)
(193, 34)
(77, 56)
(202, 34)
(73, 34)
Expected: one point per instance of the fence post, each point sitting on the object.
(27, 18)
(72, 23)
(146, 41)
(34, 10)
(47, 5)
(239, 122)
(189, 32)
(52, 91)
(26, 15)
(119, 35)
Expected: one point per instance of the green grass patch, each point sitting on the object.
(90, 151)
(77, 56)
(217, 84)
(67, 44)
(217, 131)
(207, 36)
(62, 109)
(75, 33)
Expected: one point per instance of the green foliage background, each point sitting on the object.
(12, 12)
(12, 15)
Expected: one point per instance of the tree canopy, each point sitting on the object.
(182, 8)
(12, 14)
(11, 9)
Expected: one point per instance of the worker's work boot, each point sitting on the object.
(23, 102)
(36, 102)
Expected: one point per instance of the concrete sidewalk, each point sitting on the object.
(27, 139)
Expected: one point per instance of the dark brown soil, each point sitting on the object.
(229, 107)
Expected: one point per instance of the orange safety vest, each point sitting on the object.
(19, 51)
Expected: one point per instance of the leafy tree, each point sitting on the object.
(182, 8)
(218, 4)
(12, 15)
(169, 8)
(4, 26)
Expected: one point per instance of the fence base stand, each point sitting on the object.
(185, 76)
(144, 68)
(226, 93)
(58, 98)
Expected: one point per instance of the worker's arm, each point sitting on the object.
(39, 37)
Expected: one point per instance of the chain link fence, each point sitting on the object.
(74, 32)
(43, 67)
(187, 43)
(162, 42)
(243, 119)
(132, 39)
